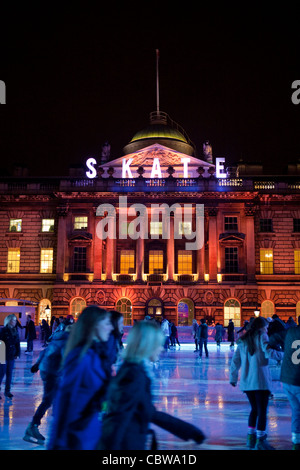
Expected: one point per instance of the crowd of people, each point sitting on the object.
(101, 392)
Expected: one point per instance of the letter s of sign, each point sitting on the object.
(296, 354)
(296, 95)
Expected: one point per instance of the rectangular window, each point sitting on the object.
(15, 225)
(296, 223)
(48, 225)
(266, 261)
(47, 260)
(79, 259)
(155, 228)
(13, 260)
(127, 262)
(297, 261)
(185, 262)
(156, 262)
(230, 224)
(80, 223)
(185, 228)
(231, 260)
(266, 225)
(127, 229)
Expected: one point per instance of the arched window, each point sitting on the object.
(77, 305)
(124, 306)
(45, 310)
(155, 309)
(232, 310)
(298, 309)
(267, 309)
(185, 312)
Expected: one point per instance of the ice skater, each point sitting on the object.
(252, 357)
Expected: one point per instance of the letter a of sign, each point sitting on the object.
(2, 92)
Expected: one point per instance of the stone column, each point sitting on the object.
(170, 251)
(110, 249)
(213, 244)
(62, 241)
(250, 242)
(97, 252)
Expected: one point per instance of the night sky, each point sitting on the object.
(77, 77)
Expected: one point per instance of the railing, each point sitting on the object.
(51, 185)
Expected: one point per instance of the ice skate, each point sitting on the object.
(33, 435)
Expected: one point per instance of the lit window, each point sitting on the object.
(232, 310)
(77, 305)
(15, 225)
(185, 262)
(266, 261)
(155, 228)
(48, 225)
(297, 261)
(46, 260)
(156, 262)
(13, 260)
(127, 262)
(127, 229)
(267, 309)
(80, 223)
(124, 306)
(185, 228)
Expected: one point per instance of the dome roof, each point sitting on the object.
(160, 131)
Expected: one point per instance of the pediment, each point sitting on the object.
(167, 157)
(234, 236)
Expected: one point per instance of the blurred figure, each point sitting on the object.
(129, 407)
(49, 364)
(30, 334)
(10, 336)
(82, 388)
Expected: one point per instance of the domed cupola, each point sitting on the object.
(161, 130)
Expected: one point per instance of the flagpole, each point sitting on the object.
(157, 82)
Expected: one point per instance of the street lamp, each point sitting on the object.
(256, 312)
(47, 310)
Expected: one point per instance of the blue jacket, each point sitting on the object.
(78, 401)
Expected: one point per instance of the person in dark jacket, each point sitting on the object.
(114, 344)
(30, 334)
(130, 409)
(290, 376)
(202, 336)
(10, 336)
(82, 389)
(46, 332)
(230, 333)
(49, 364)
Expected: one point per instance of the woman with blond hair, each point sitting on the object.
(85, 375)
(129, 406)
(10, 336)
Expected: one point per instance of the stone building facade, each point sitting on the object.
(51, 254)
